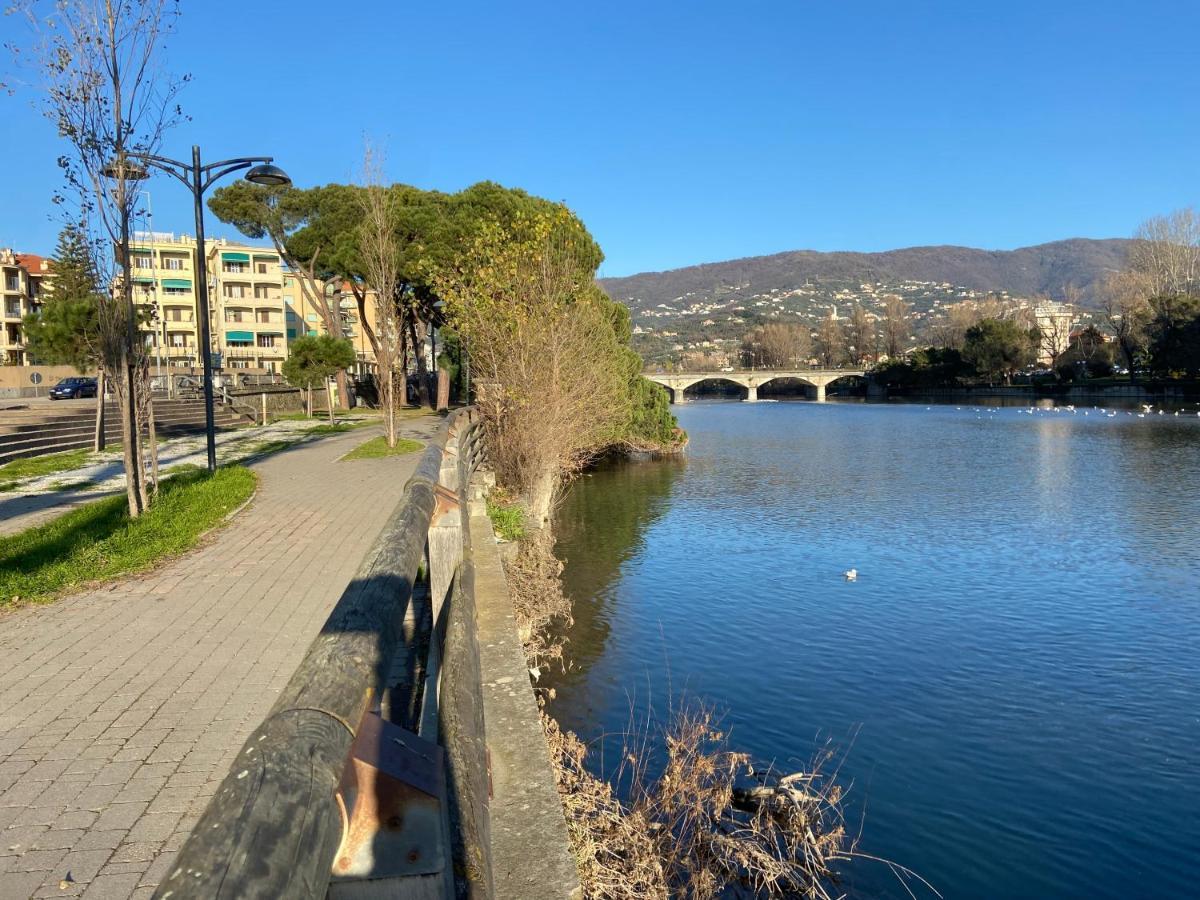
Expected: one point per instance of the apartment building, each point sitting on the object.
(21, 279)
(1054, 321)
(304, 318)
(247, 321)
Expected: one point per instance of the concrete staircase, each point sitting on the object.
(40, 428)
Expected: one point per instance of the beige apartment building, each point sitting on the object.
(247, 320)
(256, 305)
(21, 278)
(304, 318)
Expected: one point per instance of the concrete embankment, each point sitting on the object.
(531, 854)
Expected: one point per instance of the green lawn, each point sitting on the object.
(34, 466)
(377, 448)
(99, 542)
(341, 427)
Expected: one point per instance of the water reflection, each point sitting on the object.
(600, 527)
(1018, 656)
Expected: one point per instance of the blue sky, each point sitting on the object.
(693, 132)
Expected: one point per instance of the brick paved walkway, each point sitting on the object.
(121, 708)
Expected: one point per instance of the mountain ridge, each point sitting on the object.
(1037, 269)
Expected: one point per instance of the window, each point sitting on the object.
(172, 262)
(143, 262)
(311, 317)
(261, 268)
(233, 343)
(266, 340)
(235, 290)
(177, 340)
(12, 283)
(174, 292)
(238, 363)
(233, 315)
(262, 292)
(264, 316)
(234, 268)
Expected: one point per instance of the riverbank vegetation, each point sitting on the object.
(557, 386)
(102, 541)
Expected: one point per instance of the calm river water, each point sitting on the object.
(1016, 673)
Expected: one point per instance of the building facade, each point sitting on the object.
(21, 281)
(1054, 321)
(247, 314)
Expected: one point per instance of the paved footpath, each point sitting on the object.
(122, 708)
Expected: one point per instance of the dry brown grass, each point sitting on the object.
(542, 609)
(707, 825)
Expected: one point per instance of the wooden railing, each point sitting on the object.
(329, 780)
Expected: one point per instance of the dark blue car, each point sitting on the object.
(71, 388)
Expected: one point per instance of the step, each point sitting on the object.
(40, 446)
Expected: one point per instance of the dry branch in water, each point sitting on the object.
(707, 825)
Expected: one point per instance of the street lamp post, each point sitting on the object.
(198, 178)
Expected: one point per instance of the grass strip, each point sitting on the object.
(35, 466)
(99, 542)
(508, 519)
(377, 448)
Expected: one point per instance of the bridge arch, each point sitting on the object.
(747, 390)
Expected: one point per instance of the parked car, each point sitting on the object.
(72, 388)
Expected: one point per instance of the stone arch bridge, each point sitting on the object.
(752, 379)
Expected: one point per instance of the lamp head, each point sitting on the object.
(268, 175)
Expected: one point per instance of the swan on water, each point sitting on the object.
(851, 574)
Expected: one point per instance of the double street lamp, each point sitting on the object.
(198, 178)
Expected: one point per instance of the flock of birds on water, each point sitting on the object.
(1147, 410)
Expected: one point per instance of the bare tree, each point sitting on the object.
(1166, 253)
(777, 346)
(862, 336)
(896, 325)
(105, 90)
(1124, 299)
(831, 342)
(1052, 322)
(380, 253)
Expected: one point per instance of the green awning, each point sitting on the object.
(268, 257)
(239, 335)
(185, 283)
(141, 250)
(235, 257)
(138, 279)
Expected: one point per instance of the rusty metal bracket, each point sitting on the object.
(445, 501)
(389, 798)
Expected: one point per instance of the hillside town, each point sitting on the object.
(709, 332)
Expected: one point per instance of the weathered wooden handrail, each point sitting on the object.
(274, 826)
